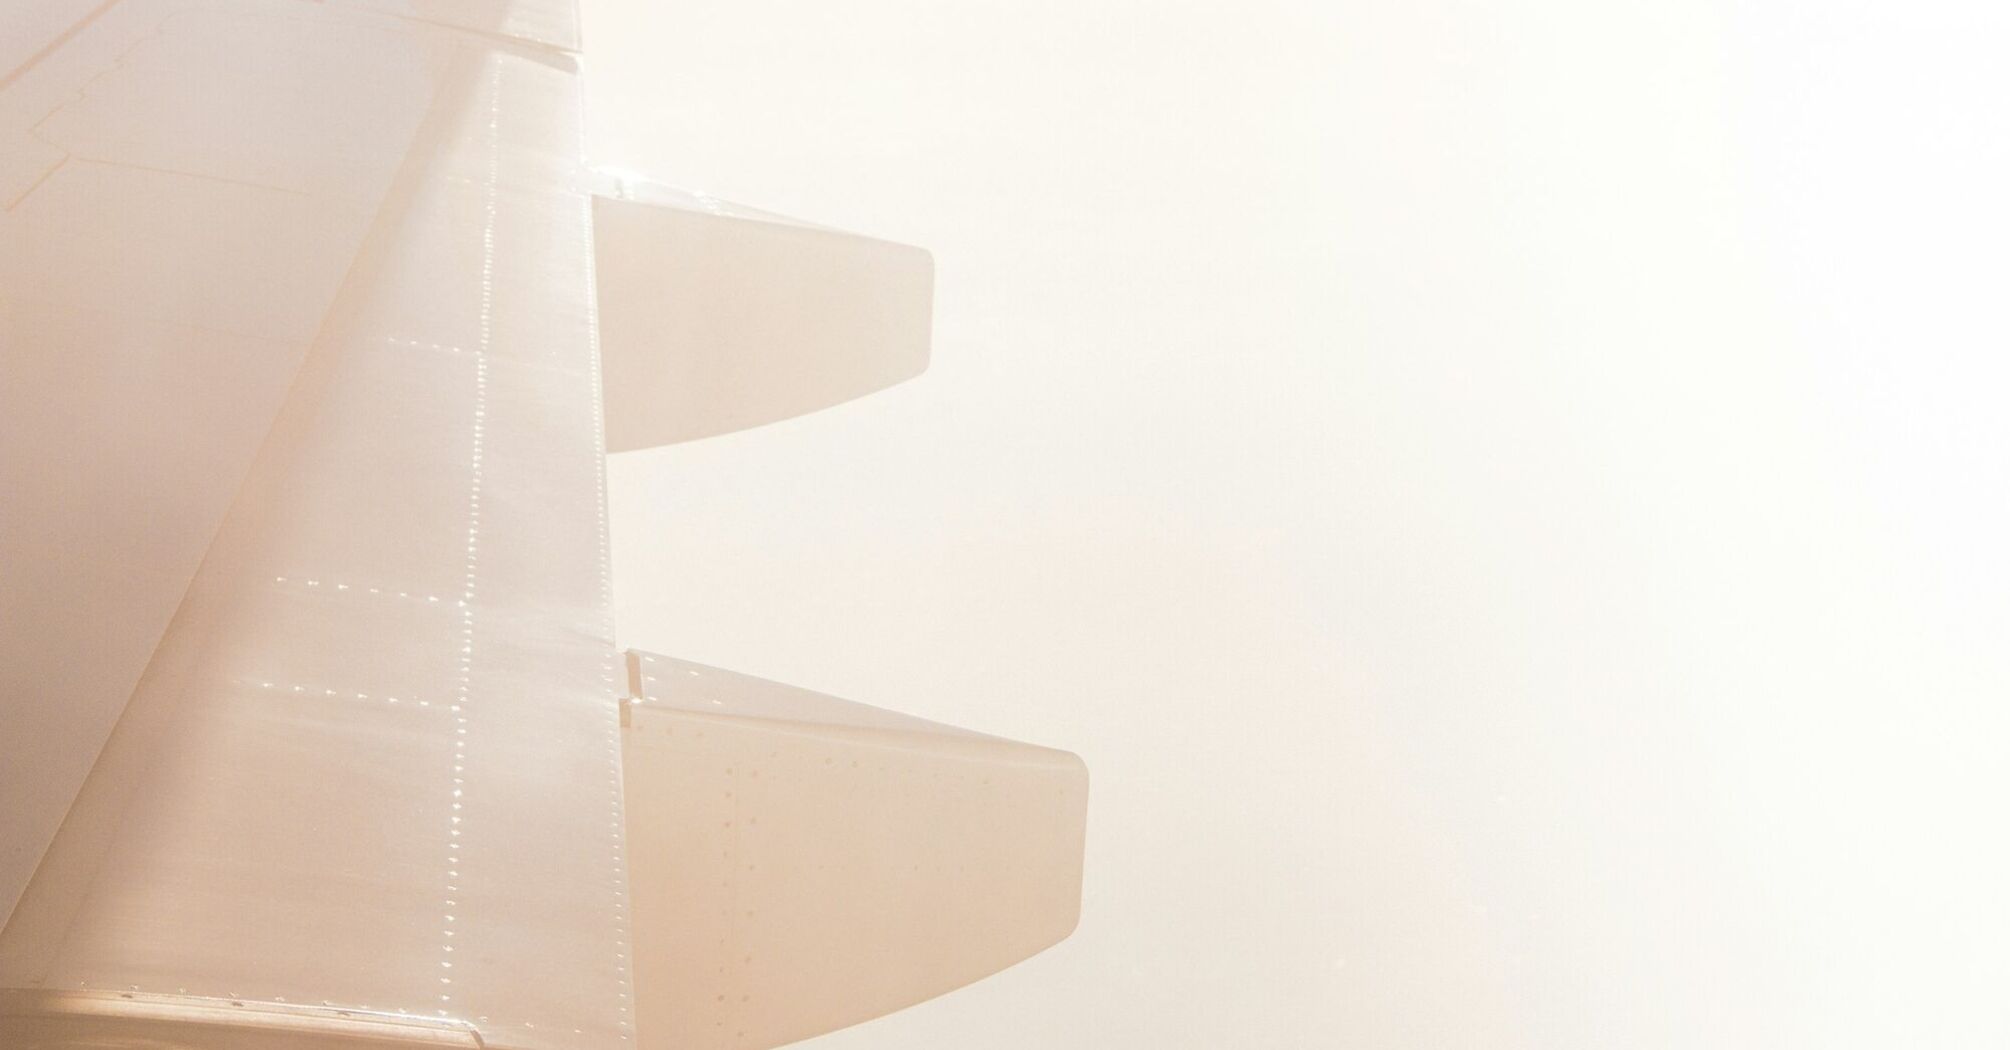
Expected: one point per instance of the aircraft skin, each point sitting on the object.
(316, 330)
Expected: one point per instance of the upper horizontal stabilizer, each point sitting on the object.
(715, 318)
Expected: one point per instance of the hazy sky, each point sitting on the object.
(1508, 500)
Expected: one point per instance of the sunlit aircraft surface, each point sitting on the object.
(314, 732)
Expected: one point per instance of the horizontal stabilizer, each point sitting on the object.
(799, 863)
(715, 318)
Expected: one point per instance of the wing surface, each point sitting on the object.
(313, 723)
(308, 671)
(182, 189)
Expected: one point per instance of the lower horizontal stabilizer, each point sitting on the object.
(798, 863)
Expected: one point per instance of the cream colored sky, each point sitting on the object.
(1506, 499)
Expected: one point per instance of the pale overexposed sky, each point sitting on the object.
(1508, 499)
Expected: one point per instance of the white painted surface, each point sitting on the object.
(800, 863)
(373, 762)
(192, 199)
(714, 319)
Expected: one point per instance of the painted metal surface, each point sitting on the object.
(308, 303)
(716, 317)
(802, 863)
(313, 712)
